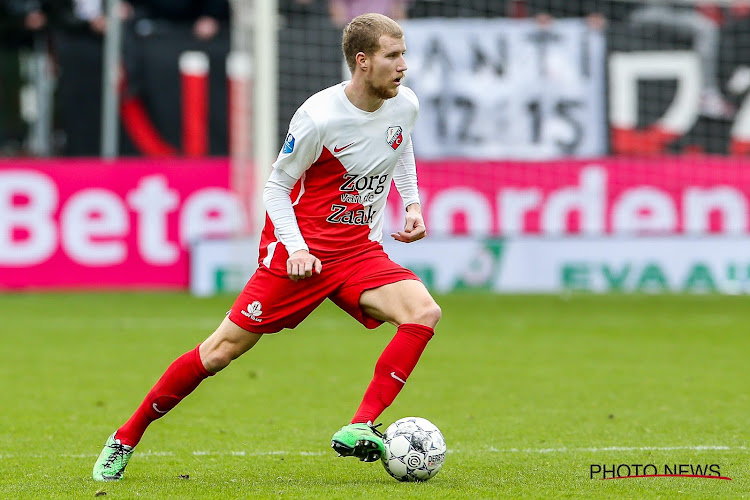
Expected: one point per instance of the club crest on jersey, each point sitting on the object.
(394, 136)
(288, 144)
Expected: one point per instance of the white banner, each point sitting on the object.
(631, 265)
(507, 88)
(680, 264)
(222, 265)
(615, 264)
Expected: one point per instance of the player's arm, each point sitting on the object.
(300, 150)
(276, 197)
(405, 177)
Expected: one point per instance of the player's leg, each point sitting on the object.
(269, 303)
(409, 306)
(228, 342)
(378, 290)
(402, 302)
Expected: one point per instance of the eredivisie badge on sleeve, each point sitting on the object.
(288, 144)
(394, 136)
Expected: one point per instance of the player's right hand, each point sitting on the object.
(302, 264)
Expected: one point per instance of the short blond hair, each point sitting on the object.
(363, 34)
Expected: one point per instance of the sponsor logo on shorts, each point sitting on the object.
(253, 311)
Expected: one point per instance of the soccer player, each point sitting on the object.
(325, 204)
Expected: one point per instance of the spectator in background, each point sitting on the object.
(91, 14)
(343, 11)
(79, 45)
(163, 31)
(24, 18)
(465, 8)
(24, 28)
(205, 16)
(598, 13)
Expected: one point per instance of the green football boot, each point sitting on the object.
(112, 460)
(363, 441)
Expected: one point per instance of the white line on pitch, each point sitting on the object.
(491, 449)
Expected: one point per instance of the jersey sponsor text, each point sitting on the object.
(360, 217)
(354, 182)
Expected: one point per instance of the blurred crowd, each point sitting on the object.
(70, 34)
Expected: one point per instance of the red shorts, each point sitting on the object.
(271, 301)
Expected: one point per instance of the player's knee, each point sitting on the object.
(219, 357)
(428, 314)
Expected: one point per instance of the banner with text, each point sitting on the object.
(616, 264)
(607, 196)
(507, 88)
(679, 264)
(88, 223)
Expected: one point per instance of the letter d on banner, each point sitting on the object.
(625, 70)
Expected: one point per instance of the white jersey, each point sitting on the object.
(343, 160)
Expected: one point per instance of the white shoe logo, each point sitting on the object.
(393, 374)
(157, 410)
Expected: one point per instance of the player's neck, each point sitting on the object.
(361, 98)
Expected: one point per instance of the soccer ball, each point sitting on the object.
(414, 449)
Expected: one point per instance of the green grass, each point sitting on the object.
(528, 391)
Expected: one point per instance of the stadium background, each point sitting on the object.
(561, 145)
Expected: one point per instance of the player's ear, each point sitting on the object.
(362, 60)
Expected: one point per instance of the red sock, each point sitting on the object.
(392, 369)
(182, 376)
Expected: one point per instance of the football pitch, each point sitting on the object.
(534, 395)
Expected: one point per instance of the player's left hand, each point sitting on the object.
(414, 228)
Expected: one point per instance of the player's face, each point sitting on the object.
(388, 67)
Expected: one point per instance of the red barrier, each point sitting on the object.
(194, 75)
